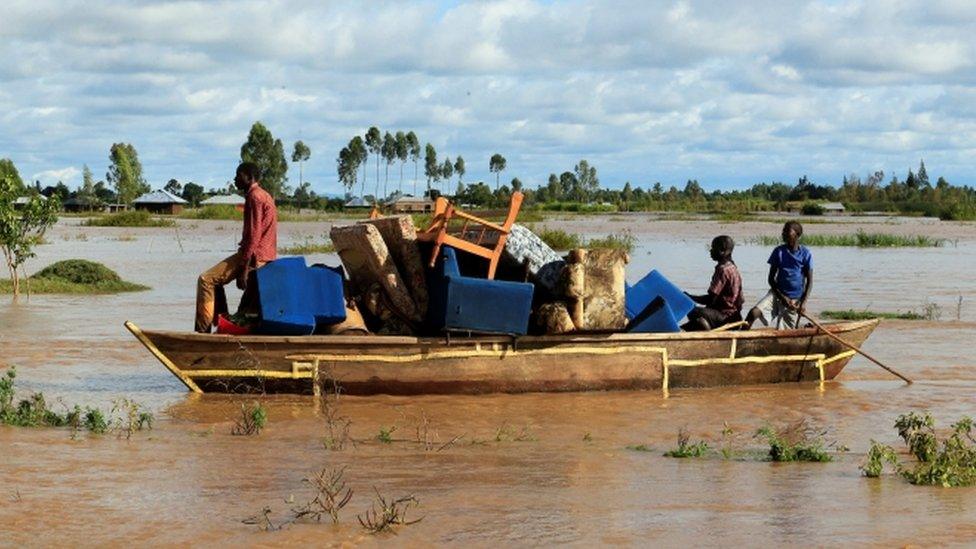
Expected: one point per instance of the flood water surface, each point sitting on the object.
(516, 469)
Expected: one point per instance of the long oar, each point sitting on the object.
(846, 344)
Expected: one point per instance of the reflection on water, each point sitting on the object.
(570, 480)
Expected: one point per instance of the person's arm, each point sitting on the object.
(773, 270)
(808, 275)
(700, 299)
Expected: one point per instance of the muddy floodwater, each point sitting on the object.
(525, 469)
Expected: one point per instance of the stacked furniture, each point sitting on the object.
(656, 305)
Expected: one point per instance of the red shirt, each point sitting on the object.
(726, 288)
(259, 240)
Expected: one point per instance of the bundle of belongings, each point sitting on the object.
(461, 274)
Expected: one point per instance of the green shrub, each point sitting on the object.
(76, 276)
(812, 208)
(685, 449)
(794, 442)
(624, 241)
(558, 239)
(214, 211)
(130, 218)
(947, 462)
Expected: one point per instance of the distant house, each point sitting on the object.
(159, 202)
(412, 204)
(22, 201)
(234, 200)
(79, 204)
(832, 208)
(357, 204)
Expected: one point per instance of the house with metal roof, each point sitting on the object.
(412, 204)
(159, 202)
(235, 200)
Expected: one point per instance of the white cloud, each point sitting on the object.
(67, 175)
(646, 90)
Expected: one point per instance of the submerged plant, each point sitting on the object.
(253, 418)
(386, 434)
(797, 441)
(948, 462)
(387, 514)
(685, 449)
(130, 416)
(331, 496)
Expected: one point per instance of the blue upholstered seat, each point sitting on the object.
(468, 304)
(640, 295)
(294, 298)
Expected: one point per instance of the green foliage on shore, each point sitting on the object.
(860, 239)
(34, 411)
(930, 312)
(76, 276)
(131, 218)
(624, 241)
(214, 211)
(308, 247)
(560, 240)
(947, 462)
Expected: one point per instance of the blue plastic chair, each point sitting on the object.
(467, 304)
(295, 298)
(639, 296)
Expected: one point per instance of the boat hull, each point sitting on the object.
(366, 365)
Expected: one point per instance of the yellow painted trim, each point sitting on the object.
(484, 353)
(173, 368)
(276, 374)
(733, 348)
(839, 356)
(748, 359)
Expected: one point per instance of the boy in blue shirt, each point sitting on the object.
(790, 280)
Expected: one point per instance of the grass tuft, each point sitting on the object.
(685, 449)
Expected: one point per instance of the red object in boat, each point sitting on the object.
(225, 326)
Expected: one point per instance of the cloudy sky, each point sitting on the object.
(730, 93)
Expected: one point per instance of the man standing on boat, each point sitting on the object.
(259, 244)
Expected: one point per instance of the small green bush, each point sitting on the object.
(812, 208)
(794, 442)
(76, 276)
(558, 239)
(214, 211)
(624, 241)
(948, 462)
(685, 449)
(130, 218)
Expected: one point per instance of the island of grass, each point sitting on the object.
(860, 239)
(74, 276)
(851, 314)
(135, 218)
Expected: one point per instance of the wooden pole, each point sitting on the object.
(846, 344)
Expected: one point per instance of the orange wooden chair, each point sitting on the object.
(475, 234)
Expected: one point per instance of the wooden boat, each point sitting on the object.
(373, 364)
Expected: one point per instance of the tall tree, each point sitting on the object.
(389, 151)
(447, 170)
(374, 142)
(192, 193)
(125, 173)
(268, 153)
(300, 154)
(87, 191)
(496, 165)
(402, 152)
(21, 227)
(359, 155)
(459, 169)
(345, 168)
(923, 175)
(413, 144)
(431, 169)
(9, 171)
(588, 181)
(173, 186)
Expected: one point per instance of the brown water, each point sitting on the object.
(190, 481)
